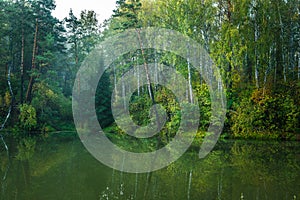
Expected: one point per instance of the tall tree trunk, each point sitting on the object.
(256, 55)
(282, 45)
(156, 68)
(298, 66)
(76, 53)
(22, 68)
(230, 67)
(124, 93)
(191, 100)
(8, 112)
(229, 10)
(34, 51)
(267, 69)
(138, 80)
(275, 66)
(187, 92)
(150, 89)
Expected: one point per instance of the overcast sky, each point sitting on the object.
(103, 8)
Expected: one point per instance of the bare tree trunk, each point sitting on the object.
(138, 79)
(191, 100)
(284, 69)
(34, 51)
(8, 112)
(256, 74)
(256, 58)
(256, 35)
(156, 68)
(298, 66)
(123, 93)
(282, 46)
(150, 90)
(187, 92)
(267, 70)
(22, 68)
(275, 70)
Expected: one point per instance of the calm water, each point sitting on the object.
(61, 168)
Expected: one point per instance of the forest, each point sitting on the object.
(254, 43)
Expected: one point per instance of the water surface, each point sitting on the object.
(59, 167)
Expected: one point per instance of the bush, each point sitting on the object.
(265, 116)
(27, 116)
(52, 108)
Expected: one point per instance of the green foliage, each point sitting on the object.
(255, 44)
(265, 116)
(7, 98)
(5, 102)
(126, 14)
(53, 109)
(203, 96)
(139, 109)
(28, 118)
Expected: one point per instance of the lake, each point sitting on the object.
(59, 167)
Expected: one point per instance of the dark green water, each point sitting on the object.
(61, 168)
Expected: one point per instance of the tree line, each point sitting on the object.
(43, 54)
(254, 43)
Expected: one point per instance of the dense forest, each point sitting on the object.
(254, 43)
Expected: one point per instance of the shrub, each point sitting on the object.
(265, 116)
(27, 116)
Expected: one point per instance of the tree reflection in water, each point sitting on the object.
(61, 168)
